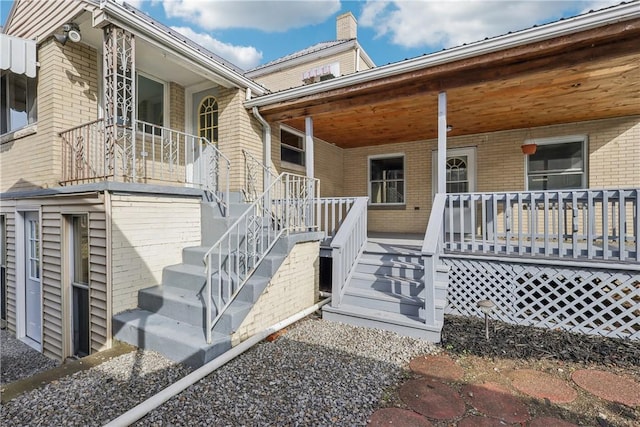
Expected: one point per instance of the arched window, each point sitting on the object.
(208, 118)
(457, 177)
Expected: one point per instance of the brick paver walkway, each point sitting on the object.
(441, 395)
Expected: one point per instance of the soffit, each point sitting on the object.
(581, 77)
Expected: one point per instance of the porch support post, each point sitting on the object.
(308, 146)
(442, 142)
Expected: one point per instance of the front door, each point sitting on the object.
(461, 178)
(33, 283)
(205, 125)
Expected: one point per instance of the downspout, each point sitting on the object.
(156, 400)
(357, 59)
(266, 144)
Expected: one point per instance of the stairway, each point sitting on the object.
(171, 317)
(387, 291)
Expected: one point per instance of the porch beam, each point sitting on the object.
(442, 142)
(308, 146)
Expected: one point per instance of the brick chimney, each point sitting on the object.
(346, 27)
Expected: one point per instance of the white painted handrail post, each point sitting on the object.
(430, 253)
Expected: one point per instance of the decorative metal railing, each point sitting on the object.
(332, 211)
(347, 245)
(431, 248)
(255, 174)
(153, 154)
(288, 205)
(573, 224)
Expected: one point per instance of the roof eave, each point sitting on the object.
(114, 13)
(623, 12)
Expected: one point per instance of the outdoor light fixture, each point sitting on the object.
(449, 128)
(486, 306)
(71, 32)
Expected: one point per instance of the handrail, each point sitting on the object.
(143, 153)
(286, 206)
(600, 224)
(251, 181)
(346, 247)
(332, 211)
(431, 247)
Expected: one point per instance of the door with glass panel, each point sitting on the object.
(461, 178)
(33, 282)
(205, 125)
(79, 268)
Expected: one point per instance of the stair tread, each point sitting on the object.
(181, 332)
(382, 316)
(384, 296)
(181, 294)
(390, 263)
(372, 276)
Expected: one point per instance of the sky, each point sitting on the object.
(251, 33)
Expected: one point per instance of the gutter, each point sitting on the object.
(588, 21)
(156, 400)
(266, 146)
(115, 13)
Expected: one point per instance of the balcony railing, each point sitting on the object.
(575, 224)
(152, 154)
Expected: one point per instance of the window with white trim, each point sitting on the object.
(557, 164)
(18, 101)
(292, 147)
(386, 180)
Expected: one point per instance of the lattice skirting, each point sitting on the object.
(581, 299)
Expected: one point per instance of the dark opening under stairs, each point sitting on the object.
(171, 316)
(387, 291)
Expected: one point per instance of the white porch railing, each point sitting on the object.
(347, 245)
(153, 154)
(575, 224)
(332, 211)
(255, 173)
(287, 206)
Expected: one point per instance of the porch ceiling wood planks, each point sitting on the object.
(590, 75)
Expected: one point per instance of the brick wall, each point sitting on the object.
(67, 97)
(138, 251)
(614, 156)
(176, 106)
(293, 288)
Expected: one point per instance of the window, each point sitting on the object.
(457, 175)
(386, 180)
(291, 147)
(150, 101)
(79, 268)
(208, 119)
(557, 164)
(18, 102)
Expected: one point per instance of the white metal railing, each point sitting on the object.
(286, 206)
(151, 154)
(347, 245)
(574, 224)
(431, 248)
(332, 211)
(255, 173)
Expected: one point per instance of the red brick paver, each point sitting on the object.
(398, 417)
(541, 385)
(550, 421)
(496, 401)
(438, 366)
(432, 399)
(478, 421)
(608, 386)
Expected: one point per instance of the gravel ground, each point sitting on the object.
(319, 373)
(18, 360)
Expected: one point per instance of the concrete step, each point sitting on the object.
(390, 268)
(372, 318)
(179, 341)
(189, 307)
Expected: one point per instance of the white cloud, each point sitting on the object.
(264, 15)
(245, 57)
(425, 23)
